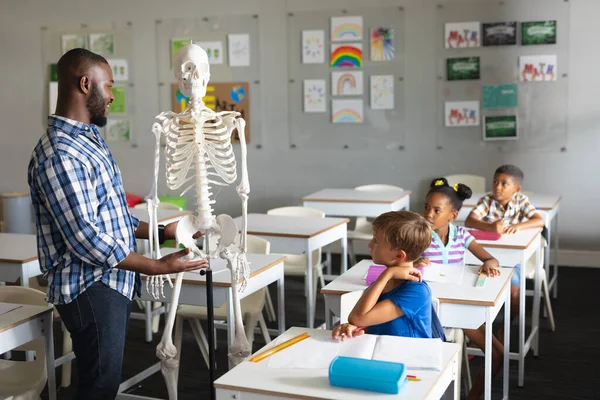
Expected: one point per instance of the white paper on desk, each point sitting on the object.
(443, 273)
(359, 347)
(412, 352)
(8, 307)
(311, 353)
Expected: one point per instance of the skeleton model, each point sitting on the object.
(199, 154)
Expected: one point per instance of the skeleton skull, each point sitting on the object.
(192, 70)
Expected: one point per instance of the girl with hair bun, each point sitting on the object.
(448, 245)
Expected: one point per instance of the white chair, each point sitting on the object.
(151, 306)
(475, 182)
(67, 346)
(24, 379)
(363, 228)
(252, 308)
(457, 336)
(295, 264)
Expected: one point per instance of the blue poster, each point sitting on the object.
(500, 96)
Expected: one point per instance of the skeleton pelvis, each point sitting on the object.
(223, 226)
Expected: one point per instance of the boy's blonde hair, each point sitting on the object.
(405, 230)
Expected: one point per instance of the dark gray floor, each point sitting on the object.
(566, 368)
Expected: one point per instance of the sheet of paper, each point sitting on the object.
(414, 353)
(8, 307)
(310, 353)
(443, 273)
(359, 347)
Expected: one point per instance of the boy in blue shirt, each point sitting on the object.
(397, 303)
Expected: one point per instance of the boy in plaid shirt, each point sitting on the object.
(506, 210)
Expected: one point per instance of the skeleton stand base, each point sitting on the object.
(211, 329)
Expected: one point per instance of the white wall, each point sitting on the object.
(280, 175)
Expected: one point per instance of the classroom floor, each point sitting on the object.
(566, 368)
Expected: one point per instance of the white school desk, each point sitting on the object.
(509, 250)
(253, 381)
(25, 324)
(357, 203)
(549, 206)
(264, 270)
(18, 258)
(297, 235)
(461, 305)
(165, 216)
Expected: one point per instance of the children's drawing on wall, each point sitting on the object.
(239, 50)
(382, 44)
(230, 96)
(346, 28)
(538, 32)
(538, 68)
(461, 113)
(382, 92)
(118, 130)
(69, 42)
(347, 111)
(347, 83)
(462, 35)
(103, 43)
(119, 68)
(178, 100)
(348, 55)
(503, 127)
(314, 95)
(313, 47)
(214, 50)
(499, 33)
(177, 43)
(463, 68)
(118, 106)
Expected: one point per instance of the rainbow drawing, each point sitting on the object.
(347, 111)
(346, 28)
(346, 55)
(347, 83)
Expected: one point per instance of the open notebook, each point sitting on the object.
(319, 352)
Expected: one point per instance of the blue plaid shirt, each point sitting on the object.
(84, 228)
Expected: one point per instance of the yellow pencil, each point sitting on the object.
(279, 347)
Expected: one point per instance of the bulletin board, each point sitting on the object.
(114, 42)
(541, 107)
(226, 80)
(380, 128)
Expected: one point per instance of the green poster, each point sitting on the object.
(500, 96)
(118, 104)
(176, 44)
(500, 128)
(53, 73)
(458, 69)
(538, 32)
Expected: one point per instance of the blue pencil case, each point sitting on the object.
(371, 375)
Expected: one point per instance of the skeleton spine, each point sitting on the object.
(204, 216)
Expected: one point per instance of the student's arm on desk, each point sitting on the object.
(536, 221)
(473, 221)
(368, 312)
(490, 264)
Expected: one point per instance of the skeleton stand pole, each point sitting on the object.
(211, 328)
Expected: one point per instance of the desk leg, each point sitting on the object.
(308, 282)
(148, 320)
(49, 336)
(488, 355)
(505, 377)
(280, 303)
(344, 252)
(328, 317)
(537, 294)
(555, 265)
(328, 260)
(522, 321)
